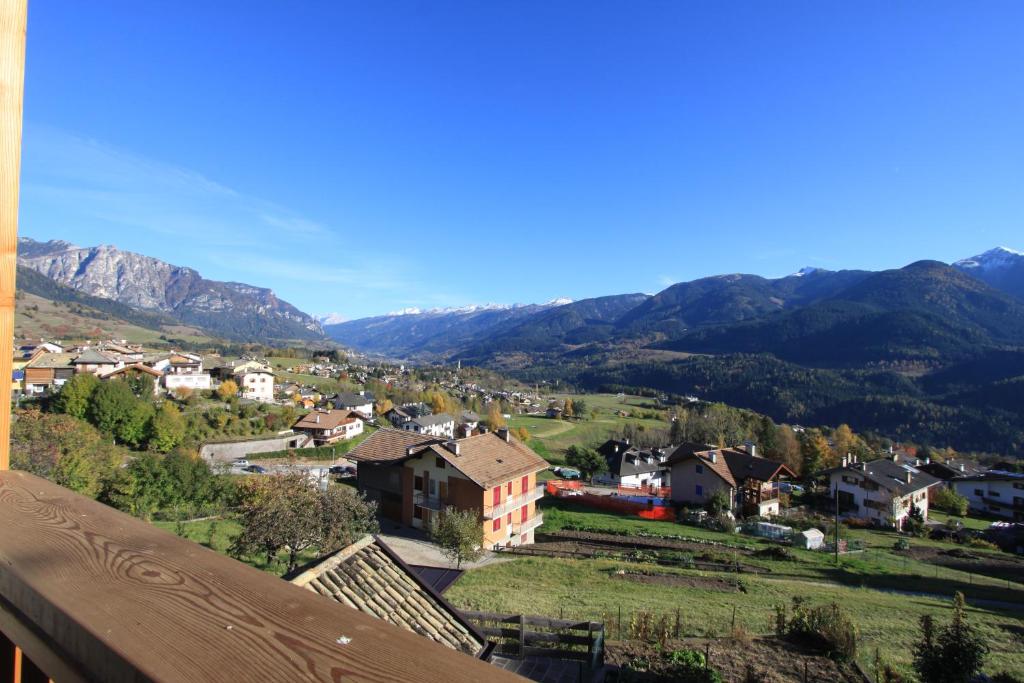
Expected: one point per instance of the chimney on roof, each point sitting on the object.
(713, 457)
(505, 434)
(845, 460)
(465, 431)
(452, 446)
(917, 462)
(927, 461)
(895, 457)
(625, 441)
(961, 467)
(910, 477)
(317, 418)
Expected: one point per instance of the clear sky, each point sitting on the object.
(361, 157)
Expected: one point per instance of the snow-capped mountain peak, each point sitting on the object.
(806, 270)
(560, 301)
(331, 318)
(993, 259)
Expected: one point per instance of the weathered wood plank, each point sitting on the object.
(130, 602)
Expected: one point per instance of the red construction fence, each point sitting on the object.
(561, 489)
(654, 491)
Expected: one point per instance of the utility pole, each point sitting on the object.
(13, 20)
(837, 524)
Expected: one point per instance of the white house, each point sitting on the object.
(440, 425)
(994, 493)
(633, 467)
(329, 426)
(256, 384)
(881, 491)
(185, 370)
(360, 403)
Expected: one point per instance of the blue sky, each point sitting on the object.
(362, 157)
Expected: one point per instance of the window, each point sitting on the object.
(439, 463)
(417, 512)
(497, 525)
(526, 484)
(509, 491)
(433, 487)
(700, 490)
(496, 497)
(417, 483)
(508, 518)
(700, 469)
(994, 494)
(524, 512)
(979, 492)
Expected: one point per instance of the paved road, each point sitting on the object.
(413, 547)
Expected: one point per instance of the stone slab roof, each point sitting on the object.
(388, 446)
(369, 577)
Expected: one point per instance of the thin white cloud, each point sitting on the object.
(70, 175)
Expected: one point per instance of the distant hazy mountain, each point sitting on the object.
(227, 309)
(431, 333)
(1003, 268)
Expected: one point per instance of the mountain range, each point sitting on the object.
(230, 310)
(885, 351)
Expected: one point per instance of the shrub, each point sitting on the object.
(901, 544)
(775, 552)
(952, 654)
(826, 627)
(690, 666)
(982, 543)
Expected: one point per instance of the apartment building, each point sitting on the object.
(414, 477)
(882, 491)
(994, 493)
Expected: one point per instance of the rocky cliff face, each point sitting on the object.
(229, 309)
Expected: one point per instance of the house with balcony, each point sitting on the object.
(441, 426)
(634, 467)
(750, 482)
(48, 371)
(882, 491)
(361, 403)
(185, 371)
(255, 383)
(995, 492)
(329, 426)
(414, 477)
(96, 362)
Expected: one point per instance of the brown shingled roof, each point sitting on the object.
(488, 459)
(388, 445)
(324, 419)
(369, 577)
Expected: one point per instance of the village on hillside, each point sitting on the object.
(616, 518)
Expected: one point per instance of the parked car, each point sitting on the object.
(240, 462)
(255, 469)
(568, 473)
(342, 471)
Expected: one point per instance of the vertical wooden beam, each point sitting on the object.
(13, 21)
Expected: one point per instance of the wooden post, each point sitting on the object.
(13, 20)
(522, 636)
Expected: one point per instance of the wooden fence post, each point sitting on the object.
(13, 20)
(522, 636)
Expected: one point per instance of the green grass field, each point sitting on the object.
(551, 437)
(589, 589)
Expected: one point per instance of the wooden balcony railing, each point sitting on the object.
(88, 593)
